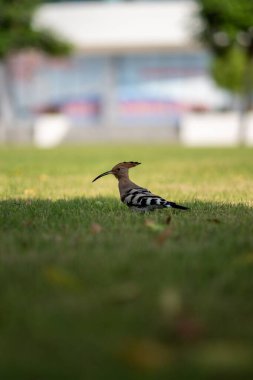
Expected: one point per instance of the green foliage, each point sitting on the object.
(227, 16)
(228, 70)
(17, 31)
(227, 31)
(118, 302)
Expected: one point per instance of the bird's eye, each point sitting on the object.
(118, 169)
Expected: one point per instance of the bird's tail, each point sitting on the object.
(174, 205)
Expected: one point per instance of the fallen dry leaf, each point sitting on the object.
(188, 328)
(168, 219)
(96, 228)
(163, 236)
(146, 354)
(164, 230)
(28, 223)
(214, 220)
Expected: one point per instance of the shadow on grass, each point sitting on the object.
(112, 303)
(35, 223)
(107, 204)
(42, 213)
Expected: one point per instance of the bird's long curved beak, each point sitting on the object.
(102, 175)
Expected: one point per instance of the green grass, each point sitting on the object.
(139, 299)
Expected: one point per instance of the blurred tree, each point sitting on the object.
(228, 31)
(229, 68)
(17, 33)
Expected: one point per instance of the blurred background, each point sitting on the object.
(81, 71)
(90, 290)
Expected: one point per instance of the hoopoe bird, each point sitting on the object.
(134, 196)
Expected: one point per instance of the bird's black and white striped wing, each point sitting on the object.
(143, 199)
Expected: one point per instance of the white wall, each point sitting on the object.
(122, 25)
(214, 129)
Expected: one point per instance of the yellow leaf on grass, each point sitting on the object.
(60, 277)
(246, 259)
(223, 356)
(153, 225)
(146, 354)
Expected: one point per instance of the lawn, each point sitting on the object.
(91, 290)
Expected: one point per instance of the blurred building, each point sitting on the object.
(136, 65)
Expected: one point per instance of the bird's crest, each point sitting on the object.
(129, 164)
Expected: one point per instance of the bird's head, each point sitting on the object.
(120, 170)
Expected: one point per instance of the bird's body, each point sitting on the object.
(135, 197)
(141, 199)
